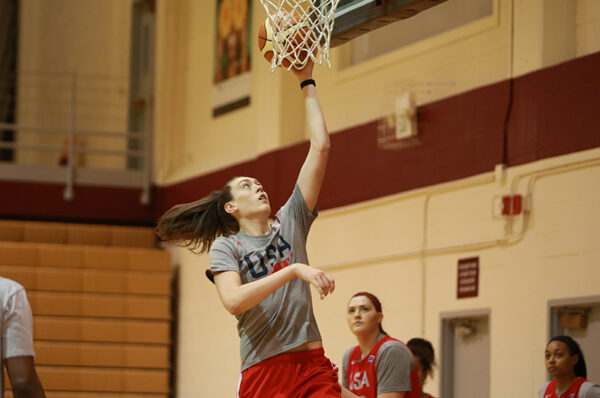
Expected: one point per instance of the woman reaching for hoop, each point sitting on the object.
(261, 269)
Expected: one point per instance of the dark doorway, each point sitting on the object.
(9, 17)
(141, 92)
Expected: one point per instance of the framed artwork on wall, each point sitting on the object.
(232, 55)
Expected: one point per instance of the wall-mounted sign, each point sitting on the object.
(232, 55)
(467, 278)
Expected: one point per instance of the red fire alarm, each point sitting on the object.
(512, 205)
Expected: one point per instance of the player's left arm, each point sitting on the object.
(394, 366)
(313, 170)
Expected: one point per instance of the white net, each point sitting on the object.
(296, 31)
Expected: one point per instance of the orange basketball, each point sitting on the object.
(295, 38)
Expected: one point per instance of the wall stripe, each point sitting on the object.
(555, 111)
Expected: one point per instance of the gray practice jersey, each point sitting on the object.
(394, 365)
(15, 322)
(285, 318)
(587, 390)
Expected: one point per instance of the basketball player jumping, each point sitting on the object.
(261, 269)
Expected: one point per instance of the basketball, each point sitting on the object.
(294, 36)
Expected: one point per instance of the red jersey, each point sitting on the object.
(361, 375)
(572, 391)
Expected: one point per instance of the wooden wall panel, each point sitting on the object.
(99, 305)
(102, 355)
(101, 330)
(102, 311)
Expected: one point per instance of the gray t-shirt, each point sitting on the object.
(16, 324)
(587, 390)
(394, 365)
(285, 318)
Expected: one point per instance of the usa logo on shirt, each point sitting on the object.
(371, 358)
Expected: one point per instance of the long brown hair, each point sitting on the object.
(198, 224)
(423, 350)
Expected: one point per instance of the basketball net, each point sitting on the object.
(312, 34)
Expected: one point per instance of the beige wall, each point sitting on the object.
(74, 69)
(395, 260)
(410, 263)
(517, 279)
(588, 26)
(91, 38)
(555, 258)
(189, 140)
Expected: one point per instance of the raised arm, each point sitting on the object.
(237, 297)
(313, 170)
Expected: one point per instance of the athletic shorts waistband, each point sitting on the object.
(297, 356)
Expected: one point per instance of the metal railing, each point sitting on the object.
(72, 129)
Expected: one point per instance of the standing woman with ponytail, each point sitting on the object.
(424, 353)
(379, 366)
(566, 366)
(261, 272)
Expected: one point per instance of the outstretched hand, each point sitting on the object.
(322, 281)
(304, 73)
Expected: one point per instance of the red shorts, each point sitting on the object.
(299, 374)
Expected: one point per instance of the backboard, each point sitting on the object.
(356, 17)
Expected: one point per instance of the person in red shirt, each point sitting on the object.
(423, 351)
(379, 366)
(566, 366)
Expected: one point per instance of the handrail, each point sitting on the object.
(65, 130)
(32, 147)
(77, 150)
(67, 105)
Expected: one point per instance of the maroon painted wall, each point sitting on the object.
(554, 111)
(107, 205)
(458, 137)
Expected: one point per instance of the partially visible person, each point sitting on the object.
(379, 366)
(423, 351)
(566, 365)
(16, 345)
